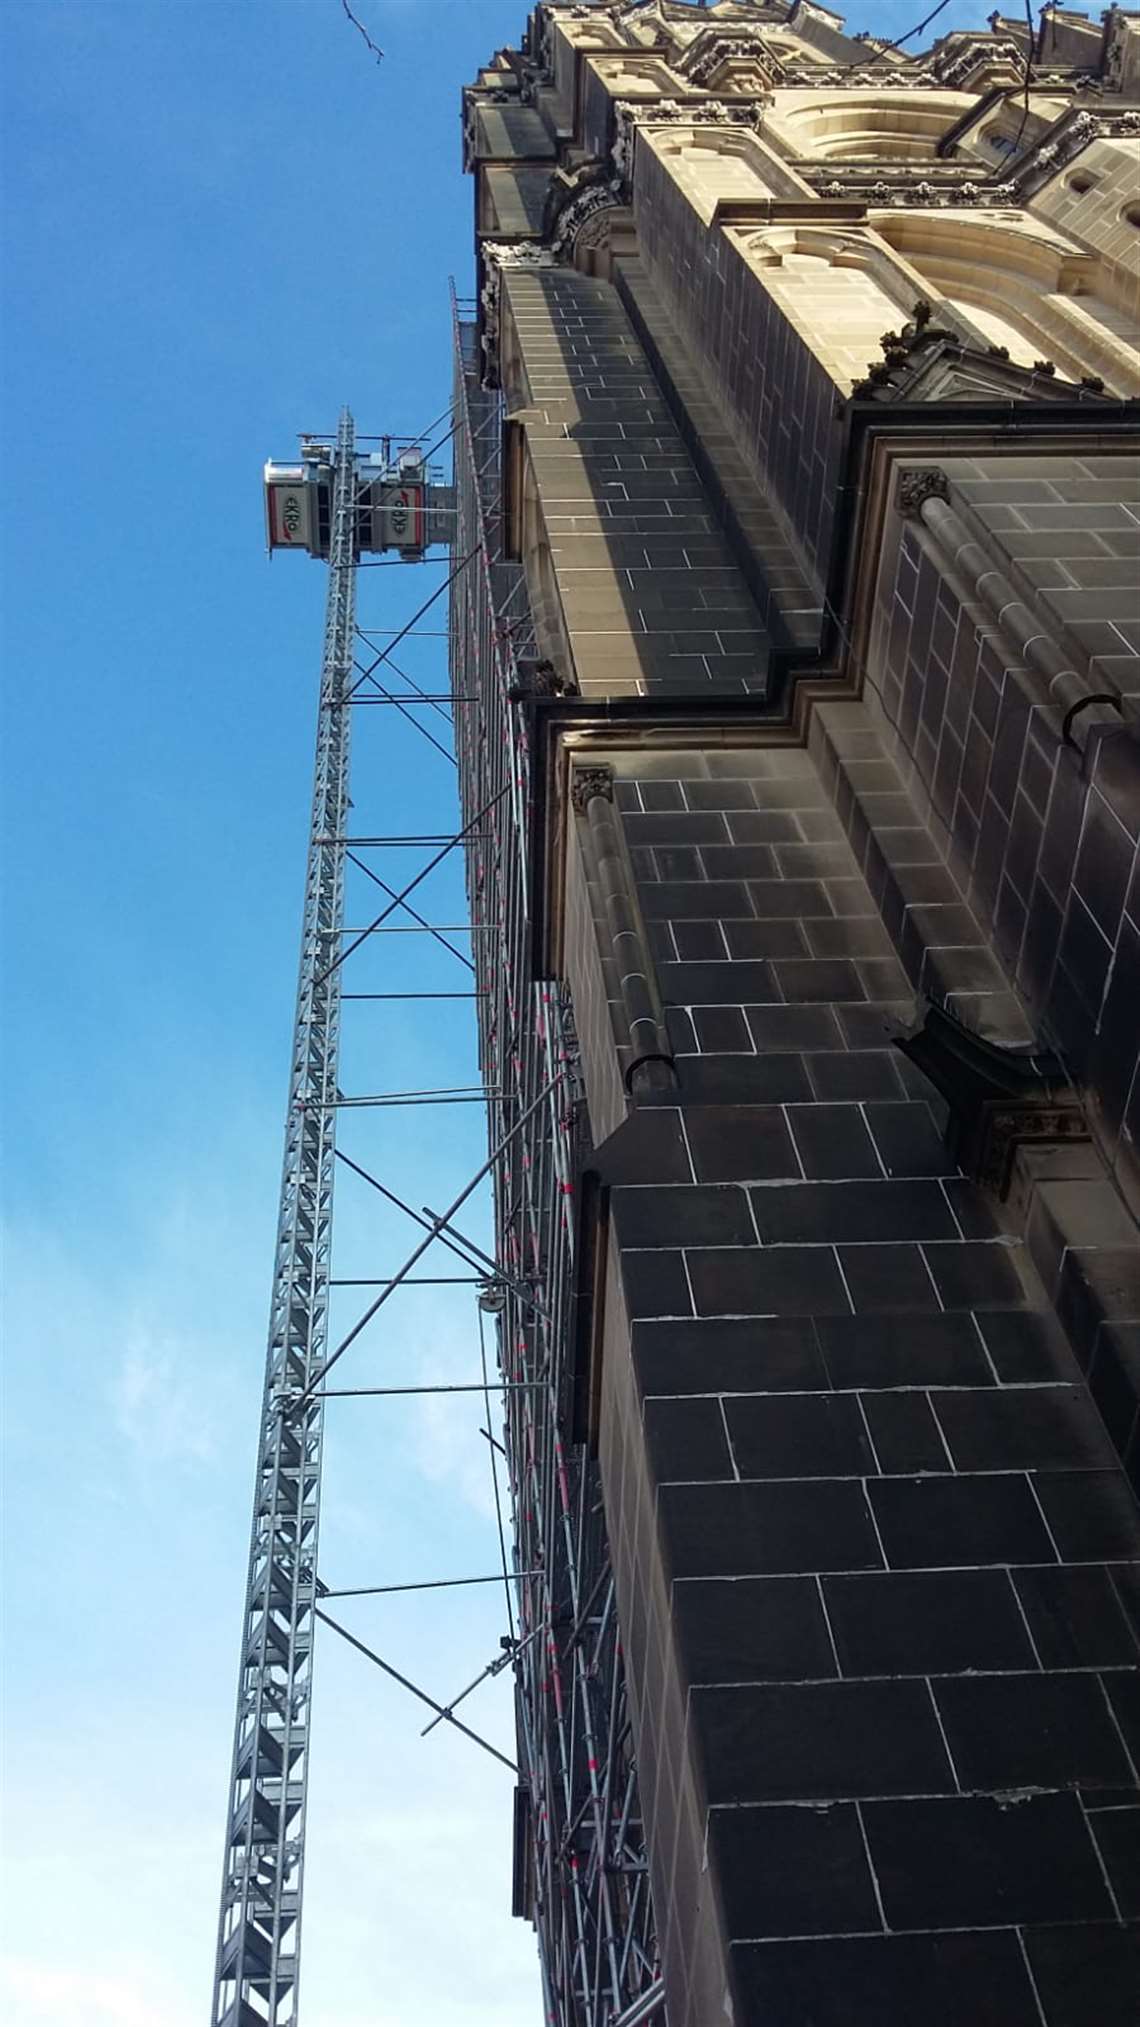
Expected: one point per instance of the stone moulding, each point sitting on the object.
(650, 1051)
(497, 255)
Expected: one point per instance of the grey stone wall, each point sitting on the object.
(780, 396)
(652, 598)
(871, 1537)
(1039, 836)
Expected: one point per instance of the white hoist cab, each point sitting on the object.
(397, 505)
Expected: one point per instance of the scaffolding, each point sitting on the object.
(580, 1863)
(580, 1872)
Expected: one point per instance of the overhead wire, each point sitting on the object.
(908, 37)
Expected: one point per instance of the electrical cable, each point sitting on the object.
(860, 61)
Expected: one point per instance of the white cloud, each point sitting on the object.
(164, 1416)
(35, 1995)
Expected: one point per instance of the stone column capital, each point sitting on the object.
(915, 487)
(586, 783)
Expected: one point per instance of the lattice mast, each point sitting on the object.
(256, 1975)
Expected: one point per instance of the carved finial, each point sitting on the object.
(918, 485)
(587, 782)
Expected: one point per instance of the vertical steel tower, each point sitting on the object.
(255, 1980)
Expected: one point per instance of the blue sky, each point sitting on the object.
(222, 221)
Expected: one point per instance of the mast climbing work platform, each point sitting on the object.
(256, 1969)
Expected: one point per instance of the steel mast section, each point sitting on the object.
(257, 1966)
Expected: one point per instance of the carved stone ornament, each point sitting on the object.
(929, 186)
(714, 47)
(961, 57)
(915, 487)
(574, 220)
(586, 783)
(1115, 42)
(628, 116)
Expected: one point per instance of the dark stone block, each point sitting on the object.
(1088, 1976)
(655, 1283)
(975, 1276)
(1123, 1693)
(715, 984)
(750, 1629)
(1084, 954)
(1097, 1284)
(671, 1216)
(887, 1351)
(1112, 1062)
(695, 942)
(972, 1860)
(739, 862)
(681, 1032)
(1026, 1346)
(741, 1143)
(882, 978)
(1104, 863)
(867, 1981)
(881, 1279)
(717, 795)
(817, 981)
(822, 1213)
(764, 826)
(863, 1073)
(857, 936)
(833, 1141)
(873, 1027)
(778, 938)
(790, 1027)
(1022, 1426)
(727, 1355)
(1092, 1515)
(683, 898)
(798, 1436)
(1075, 1618)
(685, 1439)
(677, 826)
(788, 1872)
(946, 1523)
(818, 1741)
(908, 1140)
(1126, 1583)
(905, 1433)
(816, 861)
(659, 796)
(1114, 1380)
(647, 1147)
(776, 1529)
(744, 1080)
(1030, 1731)
(972, 1208)
(802, 898)
(721, 1028)
(936, 1622)
(781, 1281)
(1117, 1832)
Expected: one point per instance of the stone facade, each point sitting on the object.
(820, 368)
